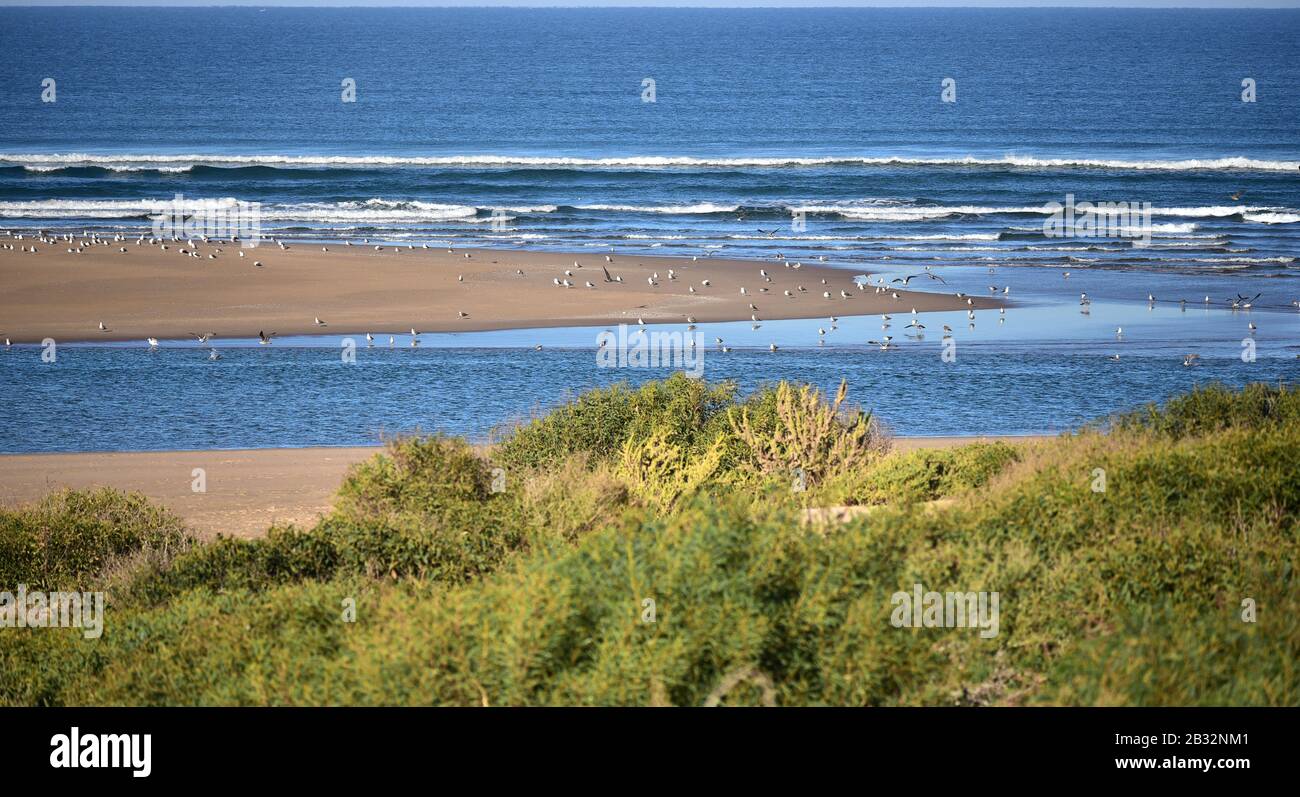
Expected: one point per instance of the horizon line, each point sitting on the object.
(1224, 5)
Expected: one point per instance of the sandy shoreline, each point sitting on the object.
(247, 490)
(148, 292)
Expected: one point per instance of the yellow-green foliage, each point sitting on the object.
(71, 536)
(689, 413)
(1215, 407)
(920, 475)
(424, 508)
(661, 473)
(809, 436)
(1131, 595)
(564, 502)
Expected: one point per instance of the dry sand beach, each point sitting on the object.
(247, 490)
(146, 291)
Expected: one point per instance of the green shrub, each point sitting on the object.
(688, 412)
(1214, 407)
(74, 536)
(924, 474)
(418, 475)
(808, 435)
(1127, 595)
(424, 508)
(285, 554)
(1161, 656)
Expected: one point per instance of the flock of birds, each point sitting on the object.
(914, 330)
(87, 240)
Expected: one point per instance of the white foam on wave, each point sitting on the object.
(973, 236)
(370, 211)
(1251, 260)
(676, 210)
(93, 208)
(875, 211)
(947, 249)
(151, 161)
(1273, 218)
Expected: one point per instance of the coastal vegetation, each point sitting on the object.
(670, 545)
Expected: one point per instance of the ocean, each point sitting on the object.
(814, 133)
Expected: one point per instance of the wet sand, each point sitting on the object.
(150, 292)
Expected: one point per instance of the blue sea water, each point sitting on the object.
(831, 117)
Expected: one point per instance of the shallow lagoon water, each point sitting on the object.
(1046, 368)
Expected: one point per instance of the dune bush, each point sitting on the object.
(662, 586)
(808, 436)
(73, 537)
